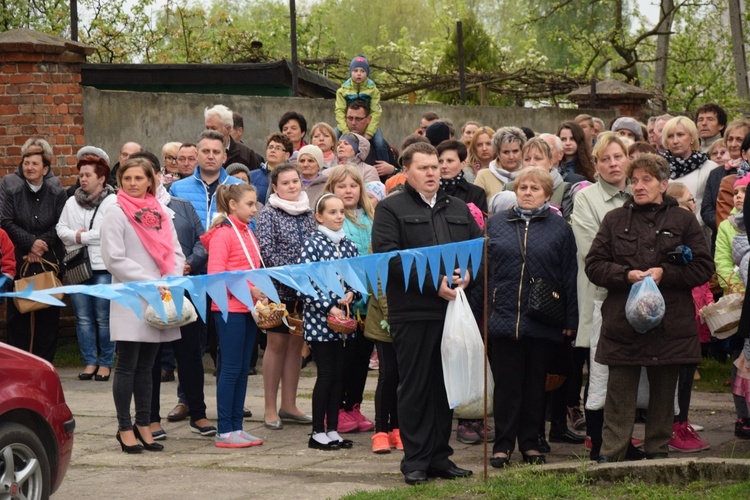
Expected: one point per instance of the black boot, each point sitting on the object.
(559, 433)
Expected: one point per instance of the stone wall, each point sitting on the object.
(152, 119)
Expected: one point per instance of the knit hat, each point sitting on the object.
(377, 189)
(238, 167)
(630, 124)
(360, 62)
(742, 181)
(92, 151)
(437, 133)
(313, 151)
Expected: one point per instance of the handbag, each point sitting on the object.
(42, 281)
(77, 263)
(546, 299)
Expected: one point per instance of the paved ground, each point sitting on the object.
(283, 467)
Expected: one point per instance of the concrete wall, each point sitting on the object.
(152, 119)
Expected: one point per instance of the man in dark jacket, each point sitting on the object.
(419, 216)
(219, 118)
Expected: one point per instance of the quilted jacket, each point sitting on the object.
(550, 254)
(194, 190)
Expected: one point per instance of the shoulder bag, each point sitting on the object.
(546, 299)
(42, 281)
(77, 263)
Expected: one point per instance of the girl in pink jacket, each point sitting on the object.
(232, 247)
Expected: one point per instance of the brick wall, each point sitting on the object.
(41, 96)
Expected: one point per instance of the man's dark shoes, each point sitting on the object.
(634, 453)
(415, 477)
(167, 375)
(452, 472)
(542, 444)
(559, 433)
(656, 456)
(605, 459)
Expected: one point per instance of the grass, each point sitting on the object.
(68, 356)
(529, 482)
(713, 374)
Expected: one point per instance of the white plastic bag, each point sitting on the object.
(463, 354)
(187, 315)
(645, 306)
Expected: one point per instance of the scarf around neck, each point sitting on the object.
(680, 166)
(528, 214)
(152, 226)
(334, 236)
(298, 207)
(90, 202)
(502, 175)
(452, 182)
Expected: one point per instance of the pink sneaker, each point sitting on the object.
(684, 441)
(364, 423)
(394, 438)
(374, 363)
(347, 423)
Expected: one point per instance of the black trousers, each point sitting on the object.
(357, 352)
(386, 393)
(518, 367)
(188, 353)
(424, 415)
(46, 328)
(329, 360)
(685, 391)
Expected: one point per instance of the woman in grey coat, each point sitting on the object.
(139, 243)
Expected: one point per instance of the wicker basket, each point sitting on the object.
(723, 316)
(295, 321)
(269, 316)
(345, 326)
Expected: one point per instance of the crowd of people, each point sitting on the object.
(589, 210)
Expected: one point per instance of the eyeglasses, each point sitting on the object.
(276, 148)
(357, 119)
(689, 200)
(170, 159)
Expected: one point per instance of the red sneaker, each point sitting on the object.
(394, 438)
(346, 422)
(363, 423)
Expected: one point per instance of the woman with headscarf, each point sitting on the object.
(353, 149)
(310, 162)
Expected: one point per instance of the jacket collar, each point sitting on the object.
(513, 215)
(442, 196)
(222, 175)
(612, 191)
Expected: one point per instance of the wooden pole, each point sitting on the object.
(461, 62)
(74, 20)
(738, 50)
(293, 35)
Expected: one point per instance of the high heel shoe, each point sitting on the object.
(128, 449)
(86, 375)
(147, 446)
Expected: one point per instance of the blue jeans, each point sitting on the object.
(236, 343)
(92, 324)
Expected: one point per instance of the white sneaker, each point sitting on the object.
(254, 441)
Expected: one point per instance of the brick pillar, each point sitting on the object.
(41, 96)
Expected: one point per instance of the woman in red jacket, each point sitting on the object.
(232, 247)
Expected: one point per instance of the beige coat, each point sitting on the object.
(127, 259)
(590, 206)
(491, 184)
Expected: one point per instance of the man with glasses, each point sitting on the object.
(358, 117)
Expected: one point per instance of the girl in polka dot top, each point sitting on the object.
(327, 243)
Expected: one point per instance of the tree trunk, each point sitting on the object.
(738, 50)
(666, 17)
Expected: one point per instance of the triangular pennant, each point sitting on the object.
(420, 260)
(261, 279)
(476, 248)
(407, 259)
(433, 259)
(344, 269)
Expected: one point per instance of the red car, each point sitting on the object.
(36, 426)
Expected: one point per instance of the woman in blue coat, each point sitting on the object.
(525, 242)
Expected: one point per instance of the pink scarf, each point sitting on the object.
(152, 226)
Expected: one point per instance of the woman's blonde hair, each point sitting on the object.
(330, 132)
(338, 174)
(471, 160)
(225, 193)
(689, 126)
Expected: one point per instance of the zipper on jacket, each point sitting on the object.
(494, 292)
(520, 281)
